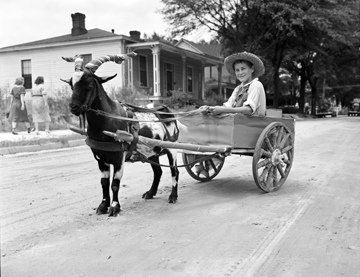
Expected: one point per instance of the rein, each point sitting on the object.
(105, 114)
(141, 109)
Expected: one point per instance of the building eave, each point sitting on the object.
(174, 49)
(196, 50)
(66, 43)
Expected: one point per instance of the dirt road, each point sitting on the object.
(225, 227)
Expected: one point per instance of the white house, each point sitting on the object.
(159, 68)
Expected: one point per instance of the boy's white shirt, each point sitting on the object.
(256, 98)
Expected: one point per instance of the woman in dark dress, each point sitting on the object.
(18, 112)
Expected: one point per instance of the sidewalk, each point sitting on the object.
(24, 142)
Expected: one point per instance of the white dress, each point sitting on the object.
(40, 112)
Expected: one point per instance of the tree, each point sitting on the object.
(262, 27)
(158, 37)
(281, 32)
(329, 30)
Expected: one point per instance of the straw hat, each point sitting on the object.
(259, 67)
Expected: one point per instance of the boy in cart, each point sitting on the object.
(249, 97)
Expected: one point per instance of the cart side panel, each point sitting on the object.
(235, 130)
(247, 130)
(206, 130)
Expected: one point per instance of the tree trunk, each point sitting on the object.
(276, 89)
(276, 63)
(302, 89)
(313, 85)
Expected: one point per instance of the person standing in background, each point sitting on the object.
(18, 111)
(40, 107)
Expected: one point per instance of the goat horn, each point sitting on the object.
(95, 64)
(71, 59)
(78, 61)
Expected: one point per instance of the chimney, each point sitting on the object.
(135, 34)
(78, 28)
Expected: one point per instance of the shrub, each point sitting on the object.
(177, 99)
(290, 109)
(60, 113)
(126, 95)
(214, 100)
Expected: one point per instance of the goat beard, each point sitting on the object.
(82, 122)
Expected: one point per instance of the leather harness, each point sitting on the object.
(133, 128)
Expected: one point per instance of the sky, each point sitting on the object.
(23, 21)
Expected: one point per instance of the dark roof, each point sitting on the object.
(213, 49)
(91, 34)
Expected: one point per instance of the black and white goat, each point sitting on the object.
(89, 97)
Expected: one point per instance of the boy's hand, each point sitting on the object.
(205, 109)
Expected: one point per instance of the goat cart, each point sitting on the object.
(205, 141)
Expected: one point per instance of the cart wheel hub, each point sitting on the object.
(276, 157)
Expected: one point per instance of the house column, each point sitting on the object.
(184, 77)
(156, 69)
(130, 73)
(203, 96)
(219, 79)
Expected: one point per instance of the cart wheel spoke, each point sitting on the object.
(287, 148)
(279, 136)
(269, 178)
(212, 164)
(268, 144)
(205, 170)
(284, 141)
(263, 163)
(286, 161)
(263, 175)
(275, 176)
(273, 157)
(281, 171)
(265, 153)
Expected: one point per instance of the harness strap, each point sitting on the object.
(108, 146)
(189, 164)
(175, 136)
(134, 130)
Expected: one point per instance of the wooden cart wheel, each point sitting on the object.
(204, 170)
(273, 157)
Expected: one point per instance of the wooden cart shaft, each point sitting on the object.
(124, 136)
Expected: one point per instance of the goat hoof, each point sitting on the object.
(172, 199)
(102, 209)
(114, 211)
(147, 195)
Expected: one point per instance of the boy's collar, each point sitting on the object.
(248, 84)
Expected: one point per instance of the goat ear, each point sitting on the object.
(66, 81)
(107, 78)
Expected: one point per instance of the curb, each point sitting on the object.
(37, 147)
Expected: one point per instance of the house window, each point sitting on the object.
(86, 58)
(143, 71)
(189, 79)
(169, 77)
(26, 73)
